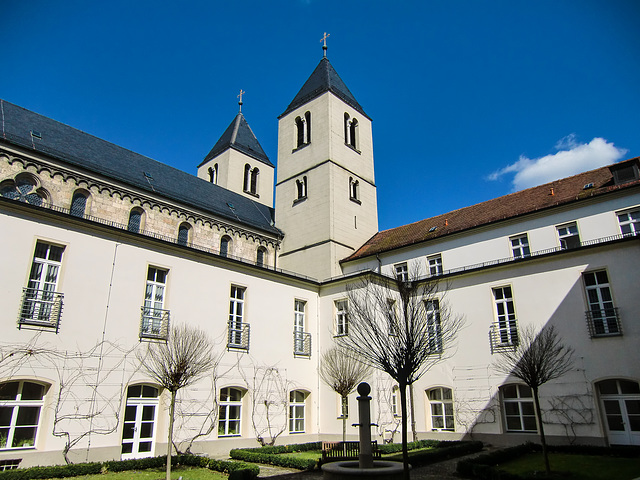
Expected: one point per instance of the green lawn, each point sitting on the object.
(187, 473)
(307, 455)
(583, 467)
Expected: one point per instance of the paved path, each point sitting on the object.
(445, 470)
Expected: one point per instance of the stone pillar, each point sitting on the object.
(365, 458)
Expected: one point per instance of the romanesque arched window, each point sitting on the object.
(303, 130)
(78, 204)
(183, 233)
(24, 188)
(213, 174)
(225, 245)
(136, 217)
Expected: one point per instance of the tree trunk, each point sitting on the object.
(344, 424)
(413, 416)
(172, 408)
(403, 410)
(545, 454)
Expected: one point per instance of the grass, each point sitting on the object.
(307, 455)
(187, 473)
(570, 466)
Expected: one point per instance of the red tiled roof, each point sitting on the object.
(559, 192)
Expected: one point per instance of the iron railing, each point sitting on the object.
(503, 335)
(603, 322)
(154, 324)
(301, 344)
(40, 308)
(238, 336)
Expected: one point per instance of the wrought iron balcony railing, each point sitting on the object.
(154, 324)
(40, 308)
(503, 335)
(301, 344)
(238, 338)
(603, 322)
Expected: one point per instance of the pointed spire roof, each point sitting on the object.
(240, 137)
(324, 79)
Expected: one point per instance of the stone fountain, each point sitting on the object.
(366, 466)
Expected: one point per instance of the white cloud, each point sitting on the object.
(572, 158)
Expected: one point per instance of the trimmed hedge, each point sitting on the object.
(440, 451)
(484, 467)
(236, 470)
(272, 455)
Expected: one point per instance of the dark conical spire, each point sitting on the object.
(240, 137)
(324, 79)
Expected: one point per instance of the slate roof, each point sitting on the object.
(560, 192)
(85, 151)
(240, 137)
(324, 79)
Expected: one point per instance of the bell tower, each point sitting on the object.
(325, 190)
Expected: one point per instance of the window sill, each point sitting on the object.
(299, 200)
(340, 335)
(251, 193)
(300, 147)
(353, 148)
(230, 436)
(355, 200)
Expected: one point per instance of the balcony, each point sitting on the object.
(40, 308)
(503, 336)
(238, 338)
(154, 324)
(301, 344)
(603, 322)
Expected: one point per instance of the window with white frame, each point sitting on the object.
(519, 414)
(506, 328)
(236, 316)
(20, 406)
(154, 316)
(299, 307)
(441, 405)
(395, 394)
(434, 264)
(629, 222)
(342, 323)
(230, 411)
(434, 328)
(602, 314)
(139, 426)
(568, 236)
(401, 271)
(296, 411)
(520, 246)
(42, 303)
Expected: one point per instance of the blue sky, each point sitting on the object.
(470, 99)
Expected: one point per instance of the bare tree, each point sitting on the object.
(538, 358)
(342, 372)
(185, 358)
(401, 326)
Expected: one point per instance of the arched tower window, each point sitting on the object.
(350, 131)
(225, 245)
(303, 130)
(213, 174)
(78, 204)
(254, 181)
(354, 187)
(183, 233)
(261, 255)
(347, 122)
(135, 220)
(247, 177)
(301, 188)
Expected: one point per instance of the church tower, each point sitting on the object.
(325, 191)
(238, 163)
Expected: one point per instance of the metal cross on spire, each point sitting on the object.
(324, 46)
(242, 92)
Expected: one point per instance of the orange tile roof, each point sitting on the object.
(559, 192)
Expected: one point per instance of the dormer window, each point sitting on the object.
(303, 130)
(627, 172)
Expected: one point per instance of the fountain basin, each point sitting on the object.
(382, 470)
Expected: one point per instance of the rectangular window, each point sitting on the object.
(401, 271)
(520, 246)
(236, 315)
(602, 315)
(434, 328)
(229, 413)
(518, 408)
(568, 236)
(434, 264)
(301, 340)
(505, 331)
(42, 303)
(20, 405)
(441, 402)
(629, 222)
(155, 319)
(342, 325)
(296, 411)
